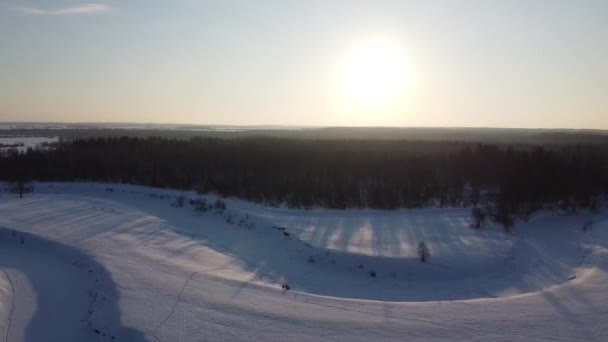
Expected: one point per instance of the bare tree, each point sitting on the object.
(20, 187)
(424, 252)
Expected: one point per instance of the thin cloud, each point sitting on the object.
(80, 9)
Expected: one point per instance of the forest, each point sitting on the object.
(300, 173)
(501, 136)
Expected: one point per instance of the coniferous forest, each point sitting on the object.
(333, 173)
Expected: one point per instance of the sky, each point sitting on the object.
(465, 63)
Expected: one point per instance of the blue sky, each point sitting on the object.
(467, 63)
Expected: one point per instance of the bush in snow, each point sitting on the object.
(219, 206)
(20, 187)
(200, 205)
(479, 217)
(504, 216)
(179, 201)
(423, 252)
(506, 221)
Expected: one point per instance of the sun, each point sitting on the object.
(372, 75)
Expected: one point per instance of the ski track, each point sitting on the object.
(179, 298)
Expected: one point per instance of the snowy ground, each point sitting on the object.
(27, 142)
(92, 262)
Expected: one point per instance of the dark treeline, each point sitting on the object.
(332, 173)
(502, 136)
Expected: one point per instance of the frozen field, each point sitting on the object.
(93, 262)
(26, 142)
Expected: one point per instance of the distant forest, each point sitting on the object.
(503, 136)
(302, 173)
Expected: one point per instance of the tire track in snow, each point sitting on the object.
(12, 310)
(179, 298)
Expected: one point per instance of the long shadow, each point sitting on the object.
(97, 315)
(526, 267)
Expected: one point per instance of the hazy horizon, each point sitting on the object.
(435, 64)
(278, 127)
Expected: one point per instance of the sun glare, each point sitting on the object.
(372, 76)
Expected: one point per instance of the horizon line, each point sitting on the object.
(279, 126)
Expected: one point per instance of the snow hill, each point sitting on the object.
(106, 262)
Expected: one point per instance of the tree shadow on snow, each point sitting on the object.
(76, 299)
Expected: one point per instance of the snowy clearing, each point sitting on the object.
(88, 262)
(25, 142)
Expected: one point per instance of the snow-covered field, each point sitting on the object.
(94, 262)
(26, 142)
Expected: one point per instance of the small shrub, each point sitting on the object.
(20, 187)
(506, 221)
(200, 205)
(219, 206)
(179, 201)
(479, 217)
(372, 274)
(424, 252)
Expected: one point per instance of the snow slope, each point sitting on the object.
(119, 261)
